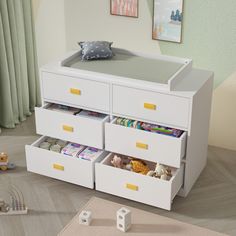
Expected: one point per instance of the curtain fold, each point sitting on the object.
(19, 82)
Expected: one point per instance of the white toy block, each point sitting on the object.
(123, 219)
(85, 217)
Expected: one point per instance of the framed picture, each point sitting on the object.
(124, 8)
(167, 20)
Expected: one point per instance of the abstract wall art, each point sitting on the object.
(124, 8)
(167, 20)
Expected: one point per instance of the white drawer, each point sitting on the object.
(151, 106)
(141, 188)
(142, 144)
(75, 91)
(60, 166)
(86, 131)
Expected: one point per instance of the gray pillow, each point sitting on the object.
(93, 50)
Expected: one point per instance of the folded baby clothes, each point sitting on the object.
(149, 127)
(91, 115)
(45, 145)
(52, 141)
(72, 149)
(64, 109)
(162, 130)
(61, 143)
(55, 148)
(90, 154)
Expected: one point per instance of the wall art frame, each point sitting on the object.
(127, 8)
(168, 20)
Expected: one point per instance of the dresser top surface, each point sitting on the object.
(153, 72)
(130, 66)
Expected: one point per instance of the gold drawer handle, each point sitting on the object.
(75, 91)
(58, 167)
(142, 146)
(68, 128)
(132, 187)
(150, 106)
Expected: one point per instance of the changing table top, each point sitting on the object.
(130, 66)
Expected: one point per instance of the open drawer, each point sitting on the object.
(146, 145)
(78, 129)
(137, 187)
(60, 166)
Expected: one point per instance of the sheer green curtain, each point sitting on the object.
(19, 83)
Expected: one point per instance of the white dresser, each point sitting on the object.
(150, 88)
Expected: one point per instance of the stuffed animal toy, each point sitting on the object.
(128, 166)
(117, 161)
(4, 163)
(164, 177)
(4, 207)
(151, 173)
(160, 172)
(139, 166)
(160, 169)
(126, 163)
(168, 172)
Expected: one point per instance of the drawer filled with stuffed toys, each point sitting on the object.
(140, 180)
(155, 170)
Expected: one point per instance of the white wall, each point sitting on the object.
(50, 29)
(91, 20)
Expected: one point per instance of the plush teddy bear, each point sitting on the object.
(161, 172)
(117, 161)
(160, 169)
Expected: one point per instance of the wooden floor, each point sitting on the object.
(211, 203)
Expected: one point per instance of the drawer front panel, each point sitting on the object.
(145, 145)
(138, 187)
(60, 167)
(64, 126)
(151, 106)
(76, 91)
